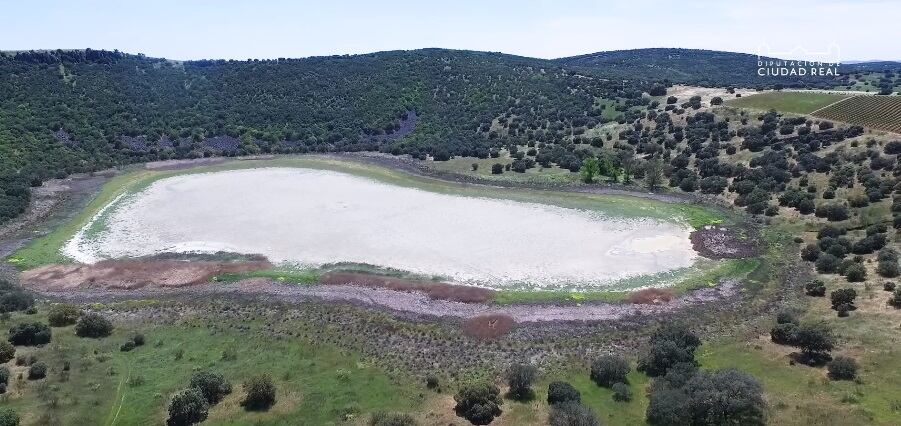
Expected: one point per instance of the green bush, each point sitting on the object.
(37, 371)
(392, 419)
(4, 375)
(572, 414)
(724, 397)
(259, 393)
(7, 351)
(93, 325)
(29, 334)
(609, 369)
(212, 385)
(621, 392)
(842, 368)
(815, 288)
(478, 402)
(843, 297)
(63, 314)
(8, 417)
(13, 298)
(187, 408)
(855, 273)
(560, 392)
(670, 345)
(128, 346)
(519, 380)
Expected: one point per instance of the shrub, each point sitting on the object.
(7, 351)
(260, 393)
(29, 334)
(497, 168)
(478, 402)
(4, 375)
(213, 386)
(815, 341)
(786, 316)
(93, 325)
(8, 417)
(815, 288)
(138, 339)
(724, 397)
(128, 346)
(432, 382)
(855, 273)
(609, 369)
(519, 379)
(895, 300)
(560, 392)
(842, 368)
(888, 268)
(63, 314)
(187, 408)
(888, 286)
(572, 414)
(392, 419)
(13, 298)
(783, 333)
(843, 296)
(621, 392)
(669, 345)
(810, 253)
(37, 371)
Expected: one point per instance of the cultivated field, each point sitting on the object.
(878, 112)
(792, 102)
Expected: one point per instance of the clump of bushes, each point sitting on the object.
(842, 368)
(572, 413)
(609, 369)
(213, 386)
(29, 334)
(7, 351)
(702, 398)
(815, 288)
(37, 371)
(93, 325)
(478, 402)
(187, 408)
(392, 419)
(843, 300)
(561, 392)
(669, 345)
(259, 393)
(131, 344)
(63, 314)
(519, 380)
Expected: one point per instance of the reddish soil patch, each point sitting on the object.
(132, 274)
(488, 326)
(716, 242)
(435, 290)
(651, 296)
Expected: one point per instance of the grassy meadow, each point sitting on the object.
(791, 102)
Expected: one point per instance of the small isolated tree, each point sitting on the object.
(478, 402)
(842, 368)
(572, 414)
(8, 417)
(519, 379)
(7, 351)
(724, 397)
(815, 288)
(888, 268)
(815, 341)
(497, 168)
(855, 273)
(621, 392)
(259, 393)
(843, 298)
(670, 345)
(716, 100)
(37, 371)
(187, 408)
(212, 385)
(653, 174)
(560, 392)
(590, 169)
(93, 325)
(29, 334)
(609, 369)
(63, 314)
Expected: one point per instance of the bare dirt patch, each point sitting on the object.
(131, 274)
(488, 326)
(435, 290)
(651, 296)
(716, 242)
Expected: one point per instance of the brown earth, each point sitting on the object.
(488, 326)
(717, 242)
(435, 290)
(132, 274)
(651, 296)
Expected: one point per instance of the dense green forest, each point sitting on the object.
(71, 111)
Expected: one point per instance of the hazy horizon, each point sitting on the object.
(190, 30)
